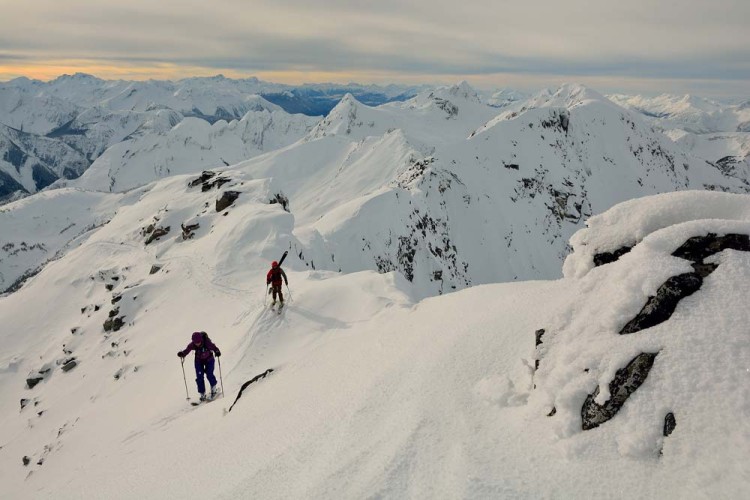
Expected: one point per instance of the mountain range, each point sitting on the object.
(490, 295)
(87, 115)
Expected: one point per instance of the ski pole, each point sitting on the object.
(288, 291)
(220, 377)
(182, 362)
(264, 296)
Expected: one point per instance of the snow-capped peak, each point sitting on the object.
(465, 91)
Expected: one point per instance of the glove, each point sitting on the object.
(218, 354)
(181, 354)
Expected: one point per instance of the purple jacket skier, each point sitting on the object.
(204, 362)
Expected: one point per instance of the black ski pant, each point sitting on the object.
(276, 290)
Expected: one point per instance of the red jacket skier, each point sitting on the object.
(273, 278)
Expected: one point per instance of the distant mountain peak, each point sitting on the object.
(463, 90)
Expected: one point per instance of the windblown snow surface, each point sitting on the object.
(375, 393)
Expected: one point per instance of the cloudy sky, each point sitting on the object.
(698, 46)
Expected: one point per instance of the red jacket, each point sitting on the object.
(275, 275)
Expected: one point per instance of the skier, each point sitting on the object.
(204, 362)
(273, 278)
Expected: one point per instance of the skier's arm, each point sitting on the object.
(283, 274)
(189, 348)
(213, 347)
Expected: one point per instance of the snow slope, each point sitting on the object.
(374, 393)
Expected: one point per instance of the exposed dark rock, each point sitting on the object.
(538, 334)
(659, 308)
(699, 247)
(24, 402)
(227, 198)
(188, 231)
(669, 424)
(280, 199)
(154, 269)
(69, 364)
(33, 380)
(205, 176)
(109, 287)
(704, 270)
(114, 324)
(74, 330)
(552, 412)
(511, 166)
(96, 308)
(607, 257)
(116, 299)
(625, 383)
(158, 233)
(26, 461)
(114, 312)
(206, 182)
(558, 120)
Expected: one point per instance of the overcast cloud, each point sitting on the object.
(637, 43)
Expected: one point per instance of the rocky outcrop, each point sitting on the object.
(113, 323)
(281, 200)
(188, 231)
(627, 380)
(660, 307)
(669, 424)
(208, 180)
(154, 233)
(608, 257)
(226, 200)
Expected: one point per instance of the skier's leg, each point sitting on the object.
(281, 295)
(200, 369)
(210, 372)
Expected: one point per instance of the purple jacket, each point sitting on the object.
(204, 352)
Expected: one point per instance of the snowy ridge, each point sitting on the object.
(691, 113)
(373, 392)
(190, 146)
